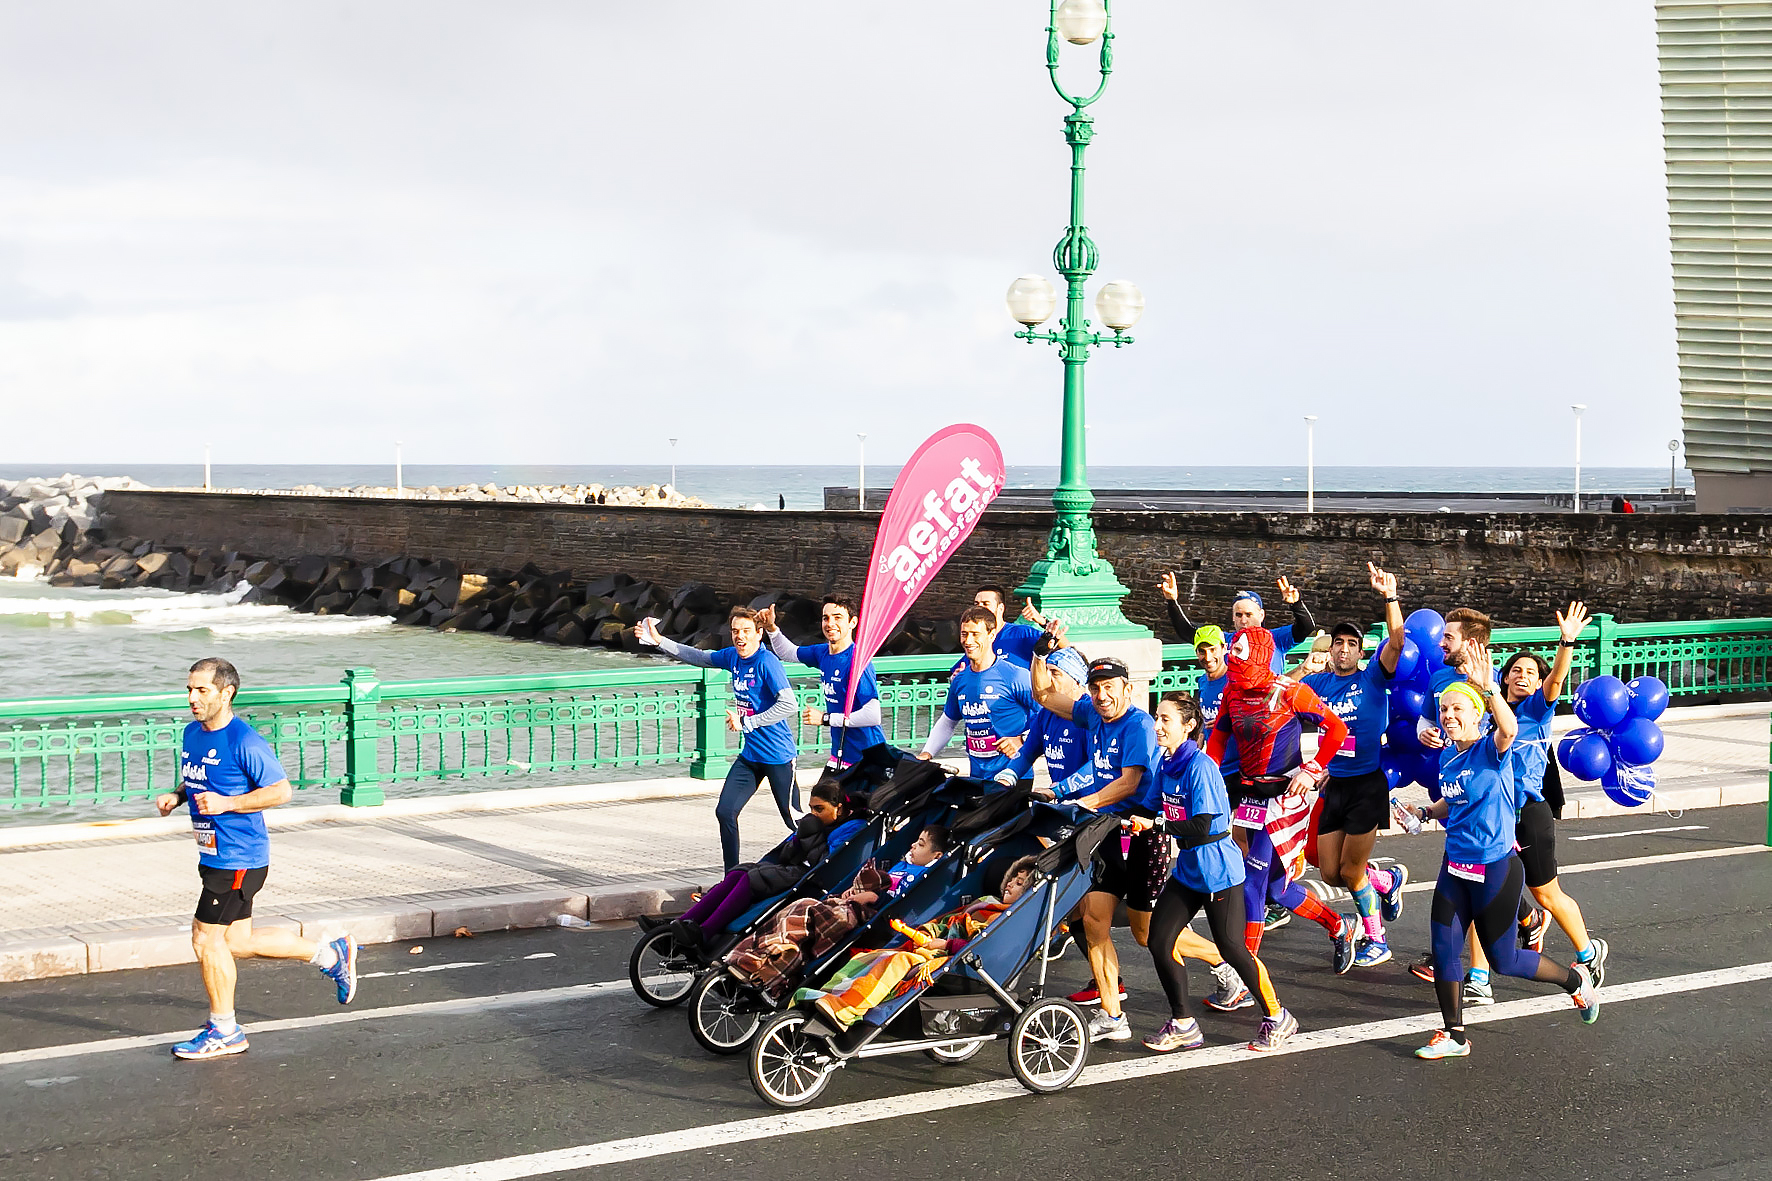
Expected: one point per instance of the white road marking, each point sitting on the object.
(1640, 832)
(770, 1127)
(1328, 893)
(605, 988)
(57, 1081)
(450, 967)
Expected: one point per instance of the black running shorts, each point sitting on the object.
(1536, 834)
(1355, 804)
(1135, 875)
(227, 893)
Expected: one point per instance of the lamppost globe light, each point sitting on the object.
(1119, 304)
(1031, 300)
(1081, 21)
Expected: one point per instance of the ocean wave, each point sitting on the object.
(169, 611)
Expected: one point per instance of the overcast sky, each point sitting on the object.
(561, 232)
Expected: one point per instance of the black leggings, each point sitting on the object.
(1492, 906)
(1225, 915)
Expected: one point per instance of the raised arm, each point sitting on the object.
(1046, 690)
(1481, 673)
(1385, 583)
(1303, 624)
(646, 631)
(1570, 624)
(1184, 627)
(784, 648)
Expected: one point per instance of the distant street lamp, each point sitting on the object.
(1578, 408)
(1072, 580)
(206, 467)
(399, 471)
(861, 472)
(1310, 463)
(673, 463)
(1673, 451)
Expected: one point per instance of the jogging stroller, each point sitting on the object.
(725, 1009)
(976, 995)
(662, 972)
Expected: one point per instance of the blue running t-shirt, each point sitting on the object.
(1361, 699)
(1064, 745)
(1531, 746)
(994, 703)
(1188, 784)
(757, 680)
(847, 743)
(230, 761)
(1478, 786)
(1130, 740)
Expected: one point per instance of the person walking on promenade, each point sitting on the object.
(228, 777)
(763, 707)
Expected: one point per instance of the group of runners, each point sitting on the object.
(1222, 808)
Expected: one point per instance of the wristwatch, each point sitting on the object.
(1421, 815)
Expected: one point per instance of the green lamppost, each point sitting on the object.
(1073, 581)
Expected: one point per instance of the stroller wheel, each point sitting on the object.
(789, 1067)
(1049, 1045)
(722, 1015)
(955, 1053)
(660, 973)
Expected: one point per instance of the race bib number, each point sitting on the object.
(1253, 815)
(1347, 750)
(205, 838)
(1174, 813)
(983, 745)
(1469, 871)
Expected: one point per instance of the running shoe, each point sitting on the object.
(1344, 943)
(1372, 953)
(1533, 931)
(1390, 903)
(344, 970)
(1598, 963)
(1587, 997)
(1423, 968)
(1232, 994)
(1478, 993)
(1274, 1032)
(1058, 945)
(1103, 1028)
(211, 1042)
(1091, 996)
(1441, 1045)
(1182, 1034)
(1277, 917)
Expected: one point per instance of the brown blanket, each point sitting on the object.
(806, 930)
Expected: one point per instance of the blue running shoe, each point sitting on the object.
(1372, 953)
(344, 972)
(1390, 903)
(1343, 944)
(210, 1042)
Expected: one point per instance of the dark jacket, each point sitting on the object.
(788, 862)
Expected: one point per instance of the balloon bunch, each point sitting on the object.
(1402, 757)
(1620, 739)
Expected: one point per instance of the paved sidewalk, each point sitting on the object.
(97, 897)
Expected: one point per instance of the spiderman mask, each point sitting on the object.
(1251, 658)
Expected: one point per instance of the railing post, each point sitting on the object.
(714, 699)
(362, 732)
(1604, 626)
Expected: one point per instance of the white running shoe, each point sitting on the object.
(1103, 1028)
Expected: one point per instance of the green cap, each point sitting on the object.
(1210, 634)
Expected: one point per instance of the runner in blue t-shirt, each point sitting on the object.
(989, 697)
(1062, 743)
(228, 776)
(1012, 641)
(1356, 798)
(1123, 750)
(763, 704)
(851, 733)
(1247, 610)
(1480, 878)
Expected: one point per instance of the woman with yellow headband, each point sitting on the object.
(1480, 876)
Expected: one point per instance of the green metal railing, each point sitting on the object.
(363, 737)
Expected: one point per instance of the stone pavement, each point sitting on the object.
(98, 897)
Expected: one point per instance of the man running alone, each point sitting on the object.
(228, 777)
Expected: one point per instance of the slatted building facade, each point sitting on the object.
(1716, 102)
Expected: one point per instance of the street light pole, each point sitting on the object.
(1578, 408)
(1310, 463)
(1072, 580)
(399, 470)
(861, 472)
(1673, 454)
(206, 467)
(673, 464)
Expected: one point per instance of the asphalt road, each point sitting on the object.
(1673, 1082)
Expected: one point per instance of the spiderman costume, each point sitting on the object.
(1258, 723)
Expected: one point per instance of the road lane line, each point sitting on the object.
(769, 1127)
(603, 988)
(1641, 832)
(1328, 893)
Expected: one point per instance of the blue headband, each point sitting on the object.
(1070, 662)
(1241, 595)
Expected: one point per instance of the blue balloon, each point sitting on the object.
(1392, 763)
(1629, 786)
(1586, 755)
(1407, 659)
(1648, 697)
(1407, 703)
(1425, 627)
(1432, 661)
(1400, 737)
(1602, 702)
(1427, 772)
(1637, 741)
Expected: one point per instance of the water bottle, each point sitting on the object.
(1406, 817)
(574, 922)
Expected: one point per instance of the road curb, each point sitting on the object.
(85, 953)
